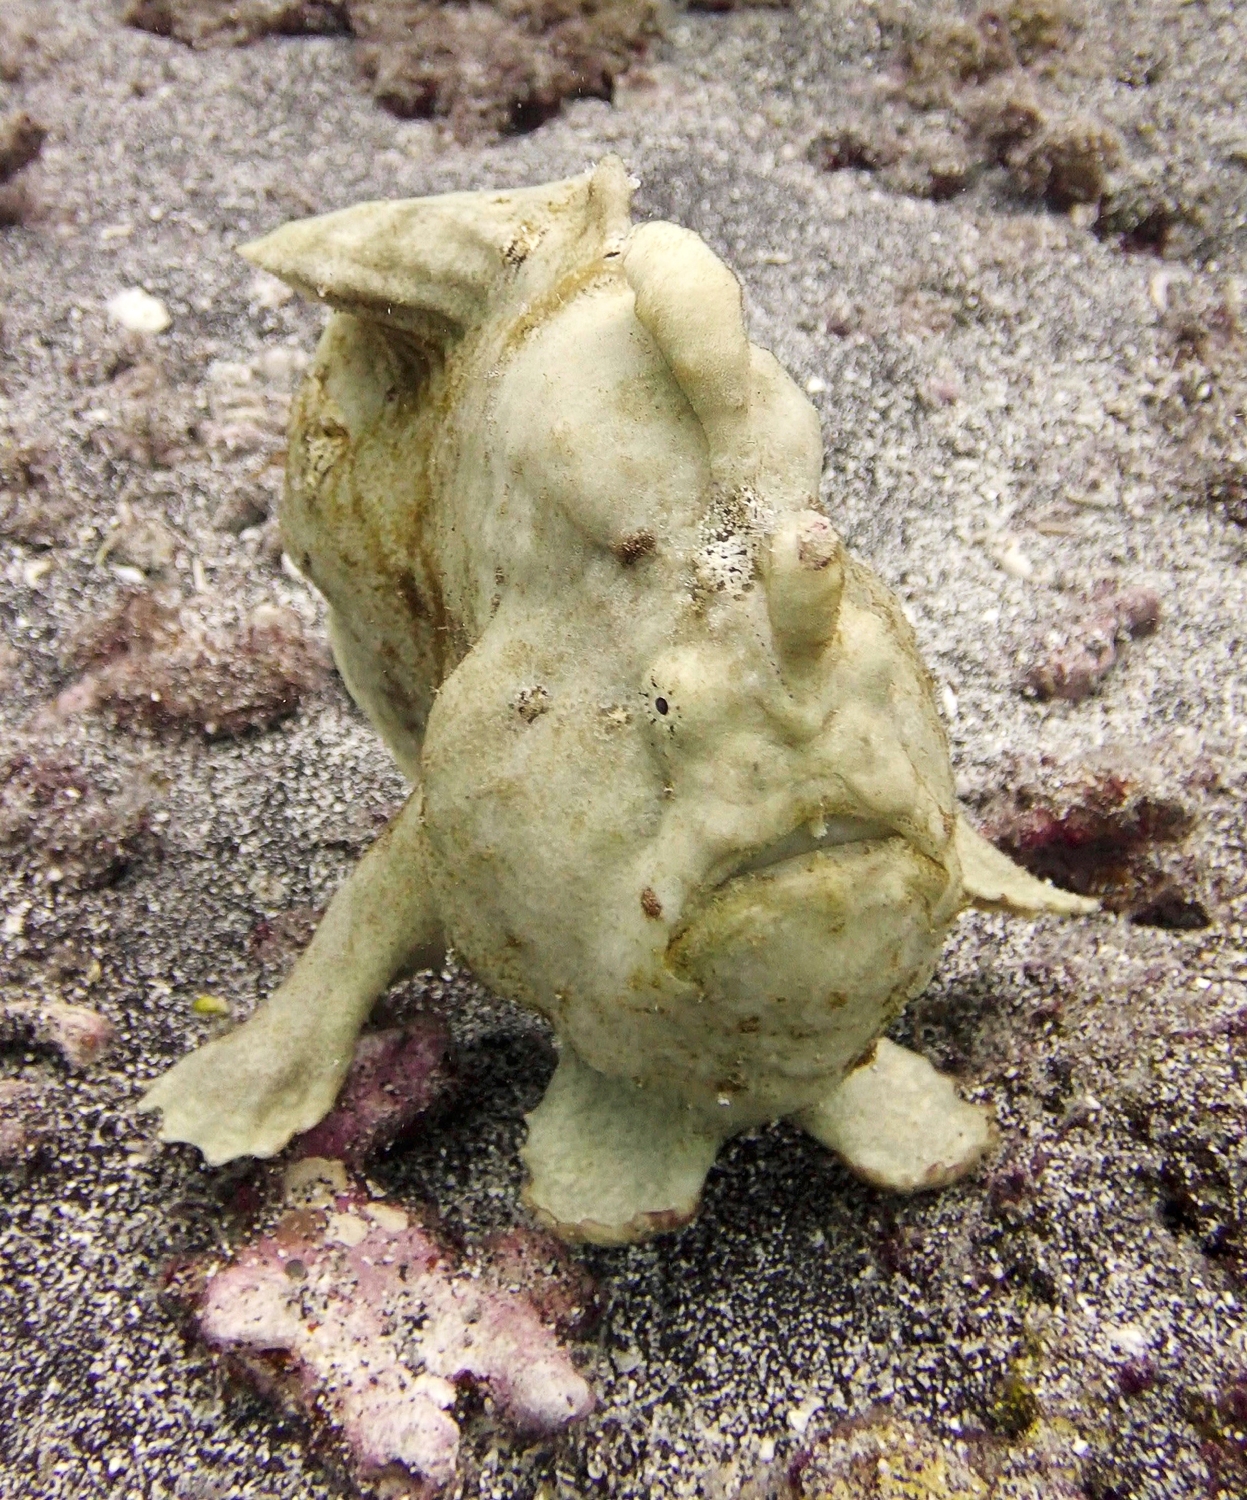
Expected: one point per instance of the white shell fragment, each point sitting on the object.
(1006, 552)
(138, 311)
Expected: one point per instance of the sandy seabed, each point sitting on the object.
(1023, 398)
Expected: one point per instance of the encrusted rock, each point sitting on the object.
(154, 666)
(56, 819)
(1104, 828)
(484, 67)
(358, 1317)
(1092, 643)
(79, 1035)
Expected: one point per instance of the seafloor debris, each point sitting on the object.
(1076, 664)
(978, 92)
(1068, 161)
(248, 408)
(1201, 399)
(145, 544)
(939, 54)
(137, 311)
(206, 23)
(1110, 833)
(357, 1317)
(155, 666)
(148, 420)
(32, 510)
(486, 68)
(247, 506)
(21, 140)
(890, 1458)
(855, 144)
(78, 1034)
(245, 433)
(20, 1128)
(506, 66)
(78, 834)
(397, 1074)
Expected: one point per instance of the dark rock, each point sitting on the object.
(398, 1074)
(21, 140)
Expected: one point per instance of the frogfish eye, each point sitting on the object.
(661, 705)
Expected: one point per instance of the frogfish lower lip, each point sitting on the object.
(809, 838)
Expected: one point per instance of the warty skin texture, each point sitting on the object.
(681, 782)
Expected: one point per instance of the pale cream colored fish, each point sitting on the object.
(681, 784)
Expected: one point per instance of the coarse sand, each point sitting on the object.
(1026, 344)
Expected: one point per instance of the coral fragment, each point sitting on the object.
(360, 1319)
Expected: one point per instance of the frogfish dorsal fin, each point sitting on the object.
(435, 267)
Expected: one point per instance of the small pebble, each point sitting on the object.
(209, 1005)
(1009, 558)
(138, 311)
